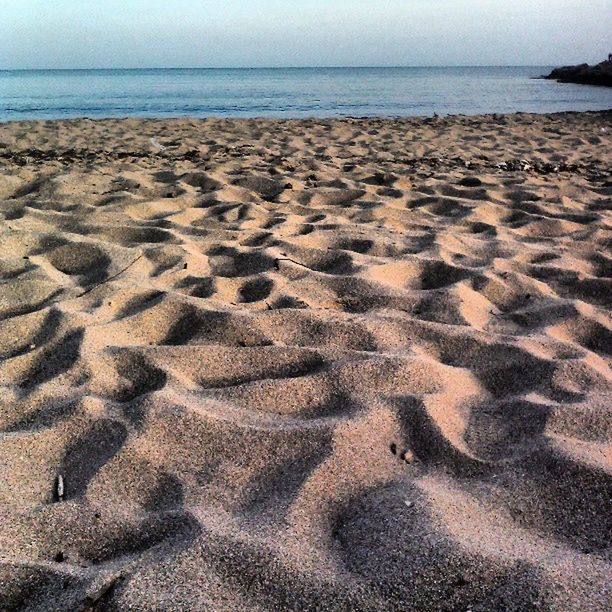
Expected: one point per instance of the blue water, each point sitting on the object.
(289, 92)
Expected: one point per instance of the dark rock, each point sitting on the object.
(601, 74)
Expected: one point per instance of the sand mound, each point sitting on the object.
(364, 369)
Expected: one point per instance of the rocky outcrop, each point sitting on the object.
(601, 74)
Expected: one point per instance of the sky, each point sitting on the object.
(253, 33)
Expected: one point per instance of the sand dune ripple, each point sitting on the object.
(352, 364)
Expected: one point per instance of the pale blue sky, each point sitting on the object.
(182, 33)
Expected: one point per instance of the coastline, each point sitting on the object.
(342, 363)
(583, 74)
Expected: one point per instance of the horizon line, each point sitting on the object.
(339, 67)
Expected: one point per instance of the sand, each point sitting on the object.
(320, 364)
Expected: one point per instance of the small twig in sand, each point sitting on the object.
(297, 263)
(110, 278)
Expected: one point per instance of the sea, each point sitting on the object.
(290, 92)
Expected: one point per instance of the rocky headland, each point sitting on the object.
(599, 74)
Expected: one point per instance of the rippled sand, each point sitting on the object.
(348, 364)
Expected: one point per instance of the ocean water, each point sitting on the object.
(289, 92)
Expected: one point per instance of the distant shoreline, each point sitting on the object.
(315, 120)
(310, 119)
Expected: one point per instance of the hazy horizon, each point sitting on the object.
(389, 67)
(151, 34)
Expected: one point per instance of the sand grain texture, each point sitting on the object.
(326, 365)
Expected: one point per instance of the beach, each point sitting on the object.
(315, 364)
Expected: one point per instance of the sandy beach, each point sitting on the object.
(353, 364)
